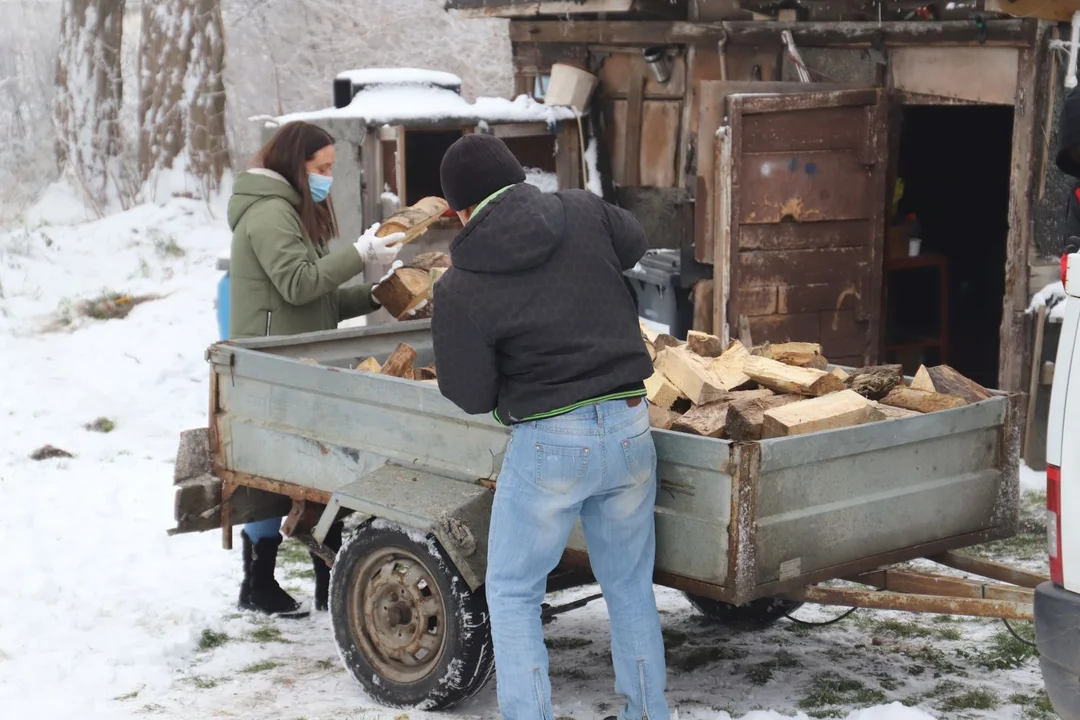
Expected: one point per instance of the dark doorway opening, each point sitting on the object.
(424, 150)
(945, 303)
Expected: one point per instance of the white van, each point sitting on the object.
(1057, 603)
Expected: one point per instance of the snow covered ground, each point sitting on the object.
(104, 616)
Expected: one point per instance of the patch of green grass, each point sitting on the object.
(831, 690)
(977, 699)
(201, 682)
(888, 682)
(1034, 707)
(699, 656)
(1005, 653)
(940, 619)
(944, 688)
(211, 639)
(129, 696)
(762, 672)
(112, 305)
(292, 552)
(259, 667)
(297, 573)
(268, 634)
(166, 245)
(926, 658)
(152, 708)
(901, 628)
(570, 673)
(567, 643)
(101, 425)
(326, 664)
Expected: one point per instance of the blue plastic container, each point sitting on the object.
(223, 306)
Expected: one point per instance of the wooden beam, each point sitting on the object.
(568, 157)
(513, 130)
(1055, 10)
(999, 33)
(635, 111)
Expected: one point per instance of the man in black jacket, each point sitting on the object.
(533, 322)
(1068, 161)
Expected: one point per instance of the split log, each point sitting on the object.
(400, 362)
(661, 392)
(947, 381)
(876, 381)
(788, 378)
(728, 368)
(662, 418)
(425, 373)
(921, 401)
(840, 373)
(922, 380)
(708, 420)
(798, 354)
(369, 365)
(895, 413)
(404, 291)
(664, 341)
(413, 220)
(829, 412)
(648, 333)
(746, 417)
(433, 275)
(691, 375)
(430, 261)
(703, 344)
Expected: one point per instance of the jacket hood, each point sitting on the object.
(1069, 133)
(254, 185)
(518, 230)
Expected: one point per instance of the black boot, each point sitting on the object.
(322, 572)
(259, 590)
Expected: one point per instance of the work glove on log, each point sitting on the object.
(377, 249)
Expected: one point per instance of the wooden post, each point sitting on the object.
(1033, 385)
(568, 158)
(635, 110)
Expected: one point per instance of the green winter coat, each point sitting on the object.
(280, 283)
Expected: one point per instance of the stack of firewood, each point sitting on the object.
(703, 388)
(407, 292)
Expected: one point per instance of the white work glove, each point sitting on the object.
(384, 278)
(374, 249)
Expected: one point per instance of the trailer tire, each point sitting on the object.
(407, 626)
(755, 614)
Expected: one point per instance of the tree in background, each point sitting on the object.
(182, 92)
(89, 95)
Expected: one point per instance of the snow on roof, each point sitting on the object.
(385, 104)
(400, 76)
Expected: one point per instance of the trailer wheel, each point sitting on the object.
(759, 613)
(407, 626)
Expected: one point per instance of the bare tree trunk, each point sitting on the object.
(89, 94)
(182, 97)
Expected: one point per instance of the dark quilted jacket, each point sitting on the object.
(534, 315)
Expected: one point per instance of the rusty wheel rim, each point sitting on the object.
(397, 615)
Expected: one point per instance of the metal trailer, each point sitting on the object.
(748, 530)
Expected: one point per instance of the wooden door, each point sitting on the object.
(800, 223)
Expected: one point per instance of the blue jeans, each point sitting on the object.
(263, 529)
(597, 463)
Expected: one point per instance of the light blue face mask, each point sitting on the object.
(320, 186)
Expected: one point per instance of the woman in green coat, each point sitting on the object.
(285, 280)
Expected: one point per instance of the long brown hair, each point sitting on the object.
(286, 154)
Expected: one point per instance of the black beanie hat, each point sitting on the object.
(475, 167)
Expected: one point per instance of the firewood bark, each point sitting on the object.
(430, 261)
(400, 362)
(690, 374)
(662, 418)
(877, 381)
(836, 410)
(707, 420)
(664, 341)
(949, 382)
(921, 401)
(425, 373)
(745, 417)
(798, 354)
(703, 344)
(895, 413)
(786, 378)
(404, 291)
(413, 220)
(728, 368)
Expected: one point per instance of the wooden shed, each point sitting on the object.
(769, 142)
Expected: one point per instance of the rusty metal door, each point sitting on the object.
(801, 209)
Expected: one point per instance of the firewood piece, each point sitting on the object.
(703, 344)
(745, 417)
(403, 291)
(433, 277)
(829, 412)
(876, 381)
(651, 349)
(921, 401)
(840, 373)
(799, 354)
(309, 361)
(895, 413)
(664, 341)
(414, 219)
(922, 380)
(949, 382)
(661, 392)
(425, 373)
(662, 418)
(430, 261)
(707, 420)
(648, 333)
(728, 368)
(400, 362)
(788, 378)
(691, 375)
(369, 365)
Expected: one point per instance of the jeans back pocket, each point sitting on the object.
(640, 455)
(560, 468)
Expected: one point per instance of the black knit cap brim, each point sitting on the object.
(475, 167)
